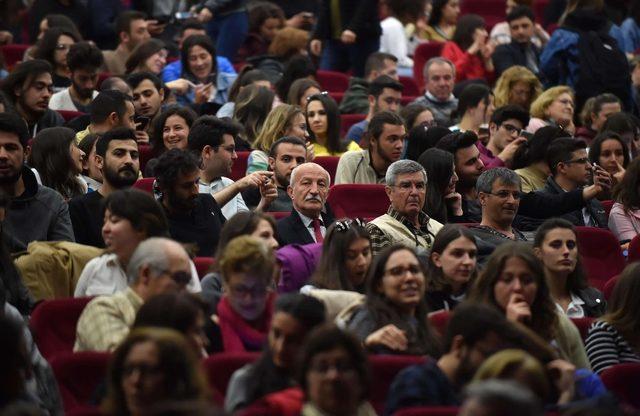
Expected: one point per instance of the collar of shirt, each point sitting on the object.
(367, 155)
(309, 221)
(134, 298)
(423, 219)
(214, 186)
(111, 260)
(433, 98)
(574, 310)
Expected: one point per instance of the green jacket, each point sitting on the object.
(356, 97)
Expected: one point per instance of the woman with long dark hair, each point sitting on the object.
(393, 319)
(513, 281)
(442, 201)
(58, 160)
(451, 267)
(170, 131)
(624, 218)
(53, 48)
(150, 56)
(442, 21)
(556, 246)
(610, 151)
(323, 120)
(294, 317)
(470, 49)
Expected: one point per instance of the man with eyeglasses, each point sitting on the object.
(405, 222)
(84, 59)
(504, 136)
(384, 95)
(499, 195)
(212, 140)
(157, 266)
(386, 135)
(570, 170)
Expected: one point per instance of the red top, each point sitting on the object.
(467, 66)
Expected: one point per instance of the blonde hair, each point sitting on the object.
(275, 126)
(247, 254)
(518, 365)
(288, 42)
(540, 105)
(509, 78)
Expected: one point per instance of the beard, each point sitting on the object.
(31, 112)
(181, 204)
(122, 178)
(282, 180)
(10, 178)
(83, 93)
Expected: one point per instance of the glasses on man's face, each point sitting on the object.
(408, 186)
(504, 194)
(579, 161)
(180, 277)
(510, 128)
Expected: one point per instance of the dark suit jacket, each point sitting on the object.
(510, 54)
(291, 230)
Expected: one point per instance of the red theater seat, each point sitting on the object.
(53, 324)
(278, 214)
(634, 249)
(332, 81)
(239, 168)
(348, 120)
(78, 374)
(601, 255)
(607, 205)
(493, 11)
(583, 325)
(439, 321)
(70, 115)
(146, 154)
(609, 286)
(623, 380)
(384, 369)
(145, 184)
(411, 88)
(220, 367)
(330, 163)
(422, 54)
(102, 76)
(358, 201)
(13, 54)
(203, 264)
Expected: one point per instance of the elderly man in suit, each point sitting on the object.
(309, 219)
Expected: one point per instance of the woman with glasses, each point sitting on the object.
(295, 315)
(152, 371)
(451, 267)
(53, 47)
(513, 281)
(323, 119)
(554, 107)
(393, 318)
(556, 246)
(150, 56)
(417, 114)
(130, 217)
(244, 313)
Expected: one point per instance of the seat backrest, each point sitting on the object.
(102, 76)
(13, 54)
(384, 369)
(348, 120)
(609, 286)
(78, 375)
(145, 184)
(239, 168)
(146, 154)
(220, 367)
(411, 88)
(203, 265)
(422, 54)
(53, 324)
(623, 380)
(439, 321)
(634, 249)
(607, 205)
(332, 81)
(583, 325)
(330, 163)
(601, 255)
(358, 200)
(68, 115)
(491, 10)
(278, 214)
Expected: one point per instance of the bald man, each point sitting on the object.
(309, 219)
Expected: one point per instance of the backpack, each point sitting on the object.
(602, 68)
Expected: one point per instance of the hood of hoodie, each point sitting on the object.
(587, 20)
(30, 187)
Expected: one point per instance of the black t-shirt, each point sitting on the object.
(87, 219)
(201, 226)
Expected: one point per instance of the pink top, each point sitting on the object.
(625, 225)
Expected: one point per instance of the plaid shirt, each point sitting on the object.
(380, 240)
(106, 320)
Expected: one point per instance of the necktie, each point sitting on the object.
(316, 230)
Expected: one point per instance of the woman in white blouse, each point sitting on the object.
(556, 246)
(130, 216)
(394, 38)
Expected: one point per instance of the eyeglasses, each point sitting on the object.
(180, 277)
(62, 47)
(517, 195)
(345, 225)
(314, 96)
(400, 271)
(581, 161)
(511, 129)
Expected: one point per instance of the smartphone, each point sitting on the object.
(307, 15)
(526, 134)
(141, 122)
(184, 15)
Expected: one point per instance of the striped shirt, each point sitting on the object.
(606, 347)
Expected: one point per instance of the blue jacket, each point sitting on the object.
(173, 71)
(631, 34)
(559, 59)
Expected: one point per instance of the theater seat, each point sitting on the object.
(609, 286)
(623, 380)
(78, 375)
(601, 255)
(68, 115)
(338, 96)
(203, 264)
(145, 184)
(583, 325)
(439, 321)
(102, 76)
(358, 201)
(411, 88)
(146, 154)
(427, 411)
(278, 214)
(13, 54)
(348, 120)
(53, 324)
(220, 367)
(239, 168)
(422, 54)
(607, 205)
(384, 369)
(634, 249)
(330, 163)
(332, 81)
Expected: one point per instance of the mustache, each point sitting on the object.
(127, 168)
(313, 198)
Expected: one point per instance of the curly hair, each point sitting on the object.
(288, 42)
(172, 164)
(46, 47)
(539, 105)
(156, 140)
(544, 319)
(509, 78)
